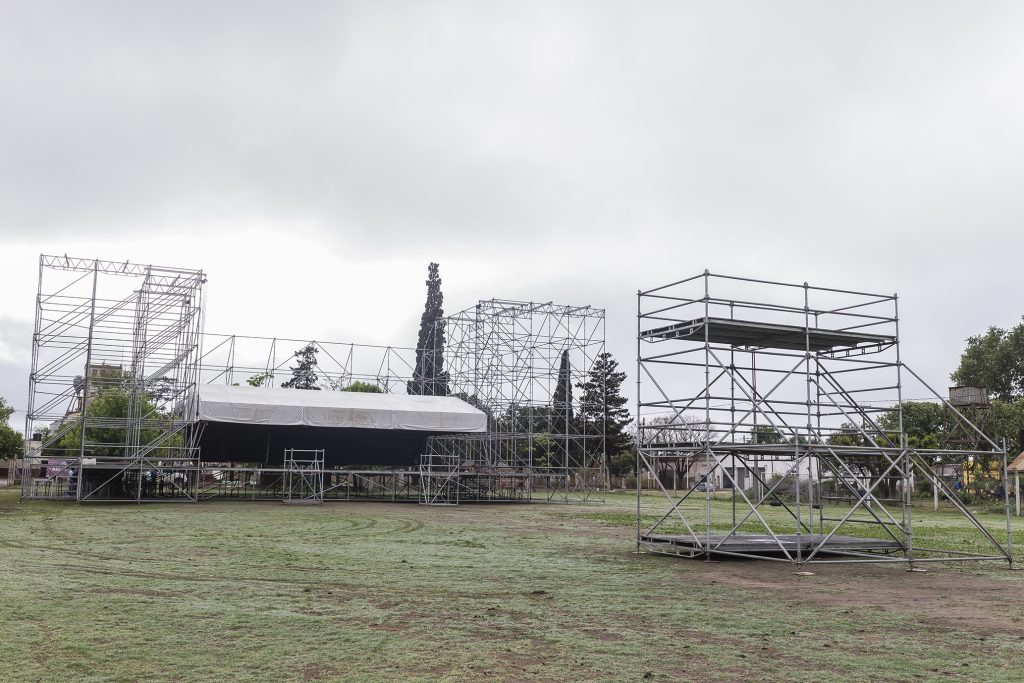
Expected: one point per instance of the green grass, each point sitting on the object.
(396, 592)
(942, 530)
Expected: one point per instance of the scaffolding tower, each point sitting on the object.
(112, 390)
(790, 398)
(521, 362)
(304, 476)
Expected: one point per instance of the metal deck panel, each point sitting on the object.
(764, 335)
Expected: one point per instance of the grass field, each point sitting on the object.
(398, 592)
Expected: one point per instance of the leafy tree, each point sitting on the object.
(621, 464)
(5, 411)
(923, 423)
(766, 434)
(364, 387)
(603, 402)
(562, 397)
(304, 374)
(161, 391)
(429, 377)
(260, 379)
(870, 465)
(994, 360)
(1008, 423)
(114, 402)
(545, 452)
(11, 443)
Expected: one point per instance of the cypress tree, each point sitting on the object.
(304, 374)
(562, 397)
(429, 377)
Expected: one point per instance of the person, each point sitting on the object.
(148, 482)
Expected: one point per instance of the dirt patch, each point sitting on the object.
(142, 592)
(319, 673)
(939, 597)
(603, 635)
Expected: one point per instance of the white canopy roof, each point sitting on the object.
(264, 406)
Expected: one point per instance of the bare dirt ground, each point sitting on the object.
(939, 596)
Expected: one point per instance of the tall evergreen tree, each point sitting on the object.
(562, 398)
(603, 402)
(429, 378)
(304, 374)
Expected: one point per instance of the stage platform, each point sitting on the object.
(764, 544)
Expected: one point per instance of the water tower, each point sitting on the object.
(973, 404)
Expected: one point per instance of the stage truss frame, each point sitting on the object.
(238, 358)
(520, 363)
(136, 331)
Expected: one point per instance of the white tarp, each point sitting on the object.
(263, 406)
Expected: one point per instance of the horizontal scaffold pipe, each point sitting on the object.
(672, 284)
(811, 288)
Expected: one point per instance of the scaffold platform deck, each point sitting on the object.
(745, 333)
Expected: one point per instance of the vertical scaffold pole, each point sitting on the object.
(27, 456)
(905, 460)
(1006, 498)
(707, 412)
(85, 385)
(639, 425)
(807, 430)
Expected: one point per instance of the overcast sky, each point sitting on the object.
(314, 157)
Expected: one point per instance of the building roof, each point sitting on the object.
(266, 406)
(1017, 465)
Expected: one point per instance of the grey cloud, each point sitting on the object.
(577, 151)
(15, 358)
(513, 120)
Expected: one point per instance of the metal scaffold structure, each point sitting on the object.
(125, 336)
(120, 359)
(265, 361)
(520, 363)
(780, 409)
(304, 476)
